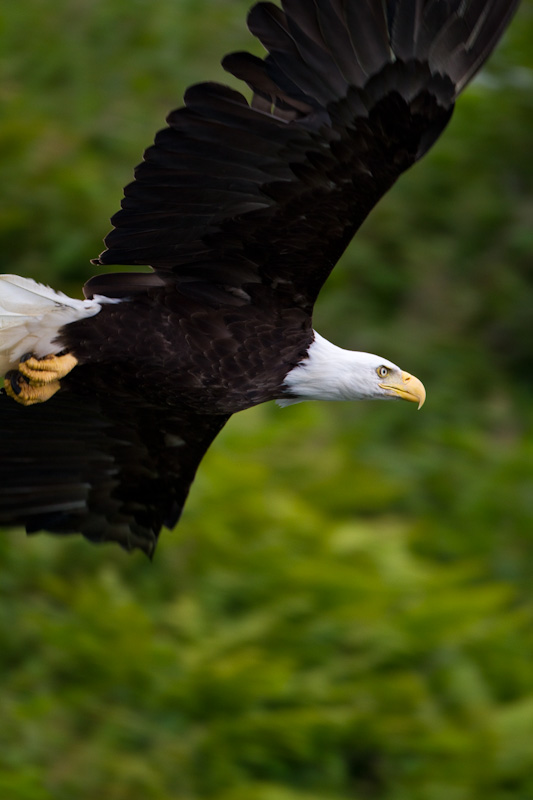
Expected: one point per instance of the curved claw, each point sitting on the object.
(13, 377)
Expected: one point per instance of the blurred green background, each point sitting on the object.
(345, 610)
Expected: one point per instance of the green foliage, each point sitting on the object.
(345, 609)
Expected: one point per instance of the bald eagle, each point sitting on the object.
(242, 210)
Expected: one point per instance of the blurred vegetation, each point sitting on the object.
(345, 610)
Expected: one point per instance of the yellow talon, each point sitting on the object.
(48, 369)
(37, 379)
(27, 394)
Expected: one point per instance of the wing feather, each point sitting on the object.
(368, 29)
(110, 470)
(350, 94)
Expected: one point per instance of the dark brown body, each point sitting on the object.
(213, 360)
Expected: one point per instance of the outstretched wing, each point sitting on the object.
(351, 93)
(107, 469)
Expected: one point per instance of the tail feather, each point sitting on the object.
(31, 316)
(25, 296)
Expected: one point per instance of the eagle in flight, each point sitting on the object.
(242, 210)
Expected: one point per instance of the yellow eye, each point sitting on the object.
(382, 372)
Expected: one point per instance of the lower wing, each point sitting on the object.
(105, 469)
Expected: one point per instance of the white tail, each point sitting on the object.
(30, 318)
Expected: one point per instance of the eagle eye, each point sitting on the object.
(382, 371)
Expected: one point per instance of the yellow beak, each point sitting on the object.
(408, 388)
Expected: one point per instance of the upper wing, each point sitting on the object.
(111, 469)
(351, 93)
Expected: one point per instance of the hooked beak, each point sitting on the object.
(407, 388)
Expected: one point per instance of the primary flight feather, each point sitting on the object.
(242, 210)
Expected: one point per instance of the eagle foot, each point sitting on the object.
(37, 379)
(27, 393)
(49, 369)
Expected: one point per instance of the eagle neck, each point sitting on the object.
(328, 372)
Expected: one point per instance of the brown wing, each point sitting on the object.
(351, 93)
(110, 470)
